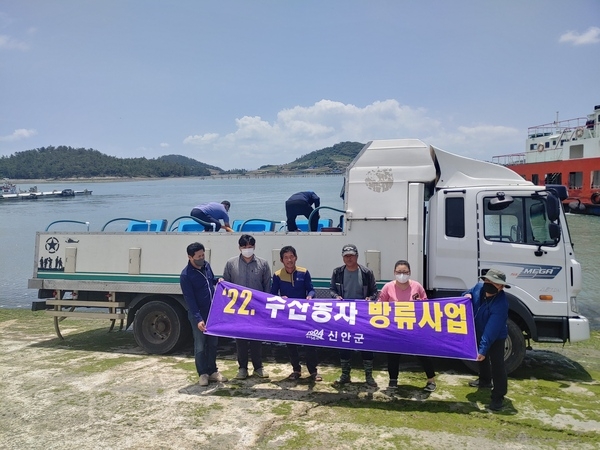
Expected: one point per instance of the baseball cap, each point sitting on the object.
(495, 276)
(349, 249)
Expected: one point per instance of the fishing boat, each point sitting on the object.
(8, 188)
(565, 152)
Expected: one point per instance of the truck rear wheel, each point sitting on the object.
(514, 350)
(158, 327)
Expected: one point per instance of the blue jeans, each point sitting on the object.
(205, 349)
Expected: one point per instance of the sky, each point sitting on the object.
(240, 84)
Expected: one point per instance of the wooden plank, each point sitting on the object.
(87, 315)
(90, 304)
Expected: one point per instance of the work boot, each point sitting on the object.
(368, 365)
(260, 373)
(480, 384)
(242, 374)
(345, 376)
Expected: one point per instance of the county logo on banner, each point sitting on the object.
(442, 327)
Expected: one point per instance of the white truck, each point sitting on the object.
(451, 217)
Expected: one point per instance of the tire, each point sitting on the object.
(514, 350)
(159, 327)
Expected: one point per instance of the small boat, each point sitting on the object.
(8, 188)
(567, 153)
(9, 191)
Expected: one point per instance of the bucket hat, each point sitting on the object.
(495, 276)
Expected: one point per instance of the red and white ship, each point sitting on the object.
(563, 152)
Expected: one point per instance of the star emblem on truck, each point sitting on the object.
(52, 245)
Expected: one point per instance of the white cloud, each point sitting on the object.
(303, 129)
(8, 43)
(164, 145)
(19, 134)
(591, 36)
(201, 139)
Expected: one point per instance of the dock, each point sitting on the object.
(35, 194)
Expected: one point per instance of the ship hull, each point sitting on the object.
(584, 196)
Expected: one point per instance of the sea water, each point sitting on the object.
(258, 198)
(251, 198)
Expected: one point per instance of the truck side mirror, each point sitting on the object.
(554, 231)
(552, 208)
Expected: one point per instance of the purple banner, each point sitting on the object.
(442, 327)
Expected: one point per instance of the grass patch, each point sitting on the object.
(282, 409)
(92, 365)
(551, 403)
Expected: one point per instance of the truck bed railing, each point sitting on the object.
(340, 225)
(87, 224)
(150, 224)
(181, 225)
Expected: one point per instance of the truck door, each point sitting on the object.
(516, 236)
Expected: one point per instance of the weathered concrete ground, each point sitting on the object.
(99, 390)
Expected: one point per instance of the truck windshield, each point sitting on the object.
(524, 221)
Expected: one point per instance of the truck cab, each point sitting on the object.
(477, 222)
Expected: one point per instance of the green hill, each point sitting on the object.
(333, 159)
(67, 162)
(189, 162)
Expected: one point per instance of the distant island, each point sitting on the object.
(64, 162)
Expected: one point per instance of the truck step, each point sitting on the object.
(110, 313)
(90, 304)
(88, 315)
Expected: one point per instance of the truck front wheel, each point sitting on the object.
(514, 350)
(158, 327)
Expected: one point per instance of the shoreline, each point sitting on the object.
(18, 181)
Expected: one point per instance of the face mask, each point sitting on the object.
(247, 252)
(490, 289)
(402, 277)
(199, 262)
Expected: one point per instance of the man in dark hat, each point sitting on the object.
(353, 281)
(490, 307)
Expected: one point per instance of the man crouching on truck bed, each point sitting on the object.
(198, 287)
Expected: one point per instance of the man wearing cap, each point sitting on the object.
(490, 307)
(212, 213)
(352, 282)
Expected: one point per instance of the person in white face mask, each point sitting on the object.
(403, 289)
(253, 272)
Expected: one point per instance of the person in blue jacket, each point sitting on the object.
(299, 204)
(197, 283)
(490, 307)
(293, 281)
